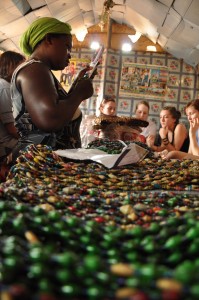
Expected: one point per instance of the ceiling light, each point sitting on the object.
(95, 45)
(135, 37)
(151, 48)
(126, 47)
(81, 35)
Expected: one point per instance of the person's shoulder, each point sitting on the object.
(32, 69)
(181, 127)
(4, 84)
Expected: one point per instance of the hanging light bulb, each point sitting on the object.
(151, 48)
(126, 47)
(81, 35)
(135, 37)
(95, 45)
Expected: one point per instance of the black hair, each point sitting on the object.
(176, 114)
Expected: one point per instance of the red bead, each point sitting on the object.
(170, 295)
(72, 208)
(99, 219)
(139, 296)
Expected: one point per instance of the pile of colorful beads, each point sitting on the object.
(76, 230)
(115, 147)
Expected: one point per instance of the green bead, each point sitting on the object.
(113, 252)
(175, 257)
(20, 207)
(66, 258)
(63, 275)
(54, 215)
(196, 262)
(37, 254)
(72, 221)
(38, 219)
(88, 280)
(133, 282)
(11, 261)
(36, 270)
(185, 272)
(65, 234)
(173, 222)
(109, 238)
(92, 262)
(194, 247)
(93, 192)
(194, 291)
(95, 291)
(173, 242)
(163, 212)
(150, 247)
(136, 231)
(38, 210)
(192, 233)
(59, 226)
(172, 201)
(69, 290)
(132, 256)
(102, 276)
(18, 223)
(81, 272)
(154, 227)
(3, 206)
(94, 249)
(45, 285)
(85, 239)
(60, 205)
(148, 271)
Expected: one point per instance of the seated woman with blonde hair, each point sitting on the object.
(142, 112)
(192, 112)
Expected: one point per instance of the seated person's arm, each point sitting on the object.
(11, 129)
(193, 147)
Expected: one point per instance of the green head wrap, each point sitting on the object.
(37, 31)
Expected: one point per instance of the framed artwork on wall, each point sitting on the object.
(174, 65)
(142, 80)
(172, 94)
(186, 95)
(68, 74)
(124, 105)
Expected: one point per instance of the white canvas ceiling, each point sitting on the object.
(173, 24)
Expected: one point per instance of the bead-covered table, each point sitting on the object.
(76, 230)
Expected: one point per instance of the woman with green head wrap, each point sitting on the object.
(38, 30)
(43, 111)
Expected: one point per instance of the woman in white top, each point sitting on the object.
(142, 113)
(9, 60)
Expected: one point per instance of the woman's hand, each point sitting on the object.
(164, 154)
(163, 132)
(194, 125)
(150, 140)
(84, 88)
